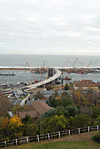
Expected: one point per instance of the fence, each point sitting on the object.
(48, 136)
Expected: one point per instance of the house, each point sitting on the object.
(85, 85)
(35, 109)
(18, 93)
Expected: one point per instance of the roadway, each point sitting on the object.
(51, 79)
(30, 87)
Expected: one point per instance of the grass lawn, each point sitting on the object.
(82, 141)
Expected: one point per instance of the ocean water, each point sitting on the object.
(50, 61)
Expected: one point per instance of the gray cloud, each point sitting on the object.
(50, 26)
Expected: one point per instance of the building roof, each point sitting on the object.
(35, 109)
(41, 107)
(30, 113)
(85, 83)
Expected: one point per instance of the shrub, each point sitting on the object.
(96, 138)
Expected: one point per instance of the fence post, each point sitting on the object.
(97, 127)
(78, 130)
(38, 138)
(48, 136)
(16, 141)
(69, 132)
(27, 140)
(59, 134)
(5, 144)
(88, 128)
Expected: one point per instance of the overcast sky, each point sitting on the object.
(50, 27)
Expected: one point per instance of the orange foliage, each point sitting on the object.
(15, 121)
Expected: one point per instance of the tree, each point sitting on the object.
(80, 121)
(49, 113)
(64, 101)
(15, 127)
(71, 111)
(96, 112)
(5, 105)
(53, 124)
(66, 86)
(98, 120)
(3, 129)
(27, 120)
(49, 87)
(38, 96)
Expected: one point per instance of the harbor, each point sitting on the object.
(24, 74)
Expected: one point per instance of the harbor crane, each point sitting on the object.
(74, 62)
(67, 78)
(31, 72)
(66, 62)
(63, 67)
(85, 70)
(42, 70)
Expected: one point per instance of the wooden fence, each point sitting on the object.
(48, 136)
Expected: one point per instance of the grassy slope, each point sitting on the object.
(82, 141)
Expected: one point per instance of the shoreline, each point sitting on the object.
(63, 69)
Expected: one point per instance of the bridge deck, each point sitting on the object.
(56, 75)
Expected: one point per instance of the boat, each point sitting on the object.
(57, 82)
(7, 74)
(67, 78)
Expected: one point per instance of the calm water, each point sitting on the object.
(50, 61)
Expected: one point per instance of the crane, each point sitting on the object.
(67, 78)
(62, 68)
(84, 71)
(74, 62)
(43, 64)
(66, 62)
(32, 73)
(42, 70)
(82, 64)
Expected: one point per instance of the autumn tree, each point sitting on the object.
(3, 129)
(15, 127)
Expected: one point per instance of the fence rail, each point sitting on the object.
(48, 136)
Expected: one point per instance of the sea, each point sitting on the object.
(57, 61)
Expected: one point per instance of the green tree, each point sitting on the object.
(66, 86)
(71, 111)
(80, 121)
(64, 101)
(54, 123)
(96, 112)
(49, 113)
(27, 119)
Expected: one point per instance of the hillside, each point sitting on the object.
(82, 141)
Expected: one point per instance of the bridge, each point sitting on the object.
(51, 79)
(56, 75)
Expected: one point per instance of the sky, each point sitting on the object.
(55, 27)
